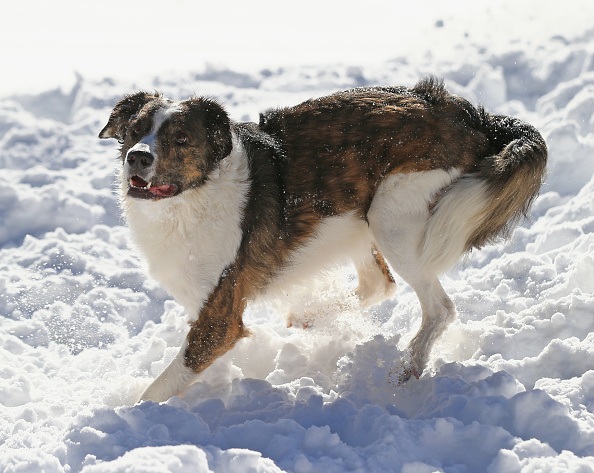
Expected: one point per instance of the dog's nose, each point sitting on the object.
(139, 159)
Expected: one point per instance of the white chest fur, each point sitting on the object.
(189, 239)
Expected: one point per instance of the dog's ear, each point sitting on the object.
(217, 124)
(123, 111)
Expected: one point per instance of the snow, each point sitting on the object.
(83, 331)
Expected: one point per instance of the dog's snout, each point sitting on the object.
(139, 159)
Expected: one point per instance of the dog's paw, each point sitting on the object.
(371, 295)
(155, 393)
(403, 372)
(302, 321)
(173, 381)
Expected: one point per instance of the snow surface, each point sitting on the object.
(83, 331)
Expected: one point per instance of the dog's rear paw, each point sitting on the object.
(404, 372)
(302, 321)
(371, 295)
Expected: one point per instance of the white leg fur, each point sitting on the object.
(398, 219)
(172, 381)
(373, 286)
(438, 313)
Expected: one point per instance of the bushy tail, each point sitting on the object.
(488, 203)
(513, 174)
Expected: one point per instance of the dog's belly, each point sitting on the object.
(337, 240)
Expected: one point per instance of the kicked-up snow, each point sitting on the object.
(83, 331)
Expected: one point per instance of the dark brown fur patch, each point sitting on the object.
(204, 126)
(125, 109)
(341, 146)
(220, 325)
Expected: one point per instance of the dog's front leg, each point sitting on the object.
(216, 331)
(173, 380)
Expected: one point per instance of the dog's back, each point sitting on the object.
(340, 147)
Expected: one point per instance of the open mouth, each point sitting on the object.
(140, 189)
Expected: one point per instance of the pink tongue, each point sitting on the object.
(163, 191)
(166, 190)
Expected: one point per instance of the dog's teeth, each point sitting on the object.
(148, 186)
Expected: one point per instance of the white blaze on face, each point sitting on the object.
(147, 143)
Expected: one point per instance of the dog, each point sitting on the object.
(403, 179)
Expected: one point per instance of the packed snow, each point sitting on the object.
(83, 331)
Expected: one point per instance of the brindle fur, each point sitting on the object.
(340, 147)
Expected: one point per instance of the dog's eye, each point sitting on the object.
(181, 138)
(135, 131)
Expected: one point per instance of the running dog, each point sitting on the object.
(394, 178)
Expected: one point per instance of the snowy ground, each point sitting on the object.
(82, 331)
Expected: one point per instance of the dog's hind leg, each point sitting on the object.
(398, 218)
(376, 282)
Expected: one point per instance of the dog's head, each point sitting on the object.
(167, 147)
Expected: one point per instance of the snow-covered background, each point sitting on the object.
(83, 331)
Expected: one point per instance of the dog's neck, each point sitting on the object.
(188, 240)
